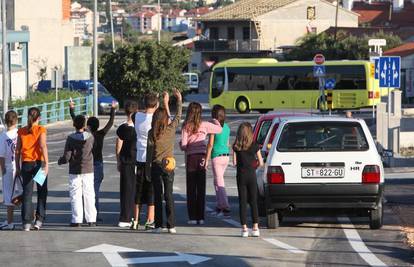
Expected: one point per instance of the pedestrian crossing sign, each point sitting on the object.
(319, 71)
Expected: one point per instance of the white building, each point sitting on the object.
(82, 20)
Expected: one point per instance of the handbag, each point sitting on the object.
(17, 196)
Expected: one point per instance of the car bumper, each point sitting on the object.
(283, 196)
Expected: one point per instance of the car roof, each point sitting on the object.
(320, 118)
(278, 114)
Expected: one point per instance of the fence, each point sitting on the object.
(56, 111)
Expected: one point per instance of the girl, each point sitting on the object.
(246, 156)
(218, 150)
(160, 149)
(31, 155)
(8, 142)
(193, 136)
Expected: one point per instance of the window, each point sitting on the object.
(246, 33)
(264, 128)
(230, 33)
(294, 78)
(214, 33)
(322, 136)
(217, 83)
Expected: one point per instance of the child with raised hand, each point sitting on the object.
(218, 150)
(78, 153)
(193, 142)
(8, 141)
(247, 157)
(161, 163)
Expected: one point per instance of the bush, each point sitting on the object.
(36, 98)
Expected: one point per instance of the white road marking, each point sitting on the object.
(357, 244)
(109, 156)
(180, 257)
(232, 222)
(284, 246)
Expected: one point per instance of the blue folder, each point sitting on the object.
(40, 177)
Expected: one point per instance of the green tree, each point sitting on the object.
(132, 70)
(344, 47)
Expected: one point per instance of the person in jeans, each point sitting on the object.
(98, 135)
(8, 140)
(218, 150)
(126, 151)
(193, 137)
(78, 152)
(247, 157)
(160, 149)
(31, 155)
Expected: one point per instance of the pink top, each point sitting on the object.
(196, 143)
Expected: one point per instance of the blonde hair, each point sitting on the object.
(244, 137)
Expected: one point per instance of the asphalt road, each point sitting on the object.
(332, 238)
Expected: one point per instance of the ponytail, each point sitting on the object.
(32, 115)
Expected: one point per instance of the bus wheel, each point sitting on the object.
(242, 105)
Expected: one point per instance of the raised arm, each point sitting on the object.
(72, 109)
(109, 124)
(176, 121)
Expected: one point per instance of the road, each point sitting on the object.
(332, 238)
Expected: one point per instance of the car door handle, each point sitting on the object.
(286, 163)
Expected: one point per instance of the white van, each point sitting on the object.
(192, 81)
(322, 162)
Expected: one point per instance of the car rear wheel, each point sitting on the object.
(273, 219)
(375, 217)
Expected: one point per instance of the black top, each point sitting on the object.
(128, 135)
(246, 159)
(99, 135)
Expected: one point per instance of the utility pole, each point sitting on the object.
(5, 61)
(112, 26)
(95, 58)
(336, 20)
(159, 22)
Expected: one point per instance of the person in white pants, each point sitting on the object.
(78, 152)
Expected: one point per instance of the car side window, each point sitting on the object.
(264, 128)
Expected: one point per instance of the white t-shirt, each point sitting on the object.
(142, 126)
(8, 141)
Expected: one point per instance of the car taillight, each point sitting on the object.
(370, 94)
(275, 175)
(371, 174)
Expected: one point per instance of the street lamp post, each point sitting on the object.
(159, 22)
(95, 58)
(5, 65)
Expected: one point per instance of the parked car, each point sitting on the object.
(192, 81)
(84, 86)
(322, 162)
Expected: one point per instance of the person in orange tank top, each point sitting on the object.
(31, 155)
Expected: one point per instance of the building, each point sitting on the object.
(406, 52)
(254, 28)
(50, 31)
(145, 21)
(82, 20)
(174, 20)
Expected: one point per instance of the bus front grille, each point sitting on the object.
(347, 99)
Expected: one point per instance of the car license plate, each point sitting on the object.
(323, 172)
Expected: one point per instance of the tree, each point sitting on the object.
(346, 46)
(132, 70)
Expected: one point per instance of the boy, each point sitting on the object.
(126, 154)
(99, 135)
(78, 152)
(8, 142)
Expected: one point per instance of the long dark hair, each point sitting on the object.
(32, 115)
(193, 118)
(159, 122)
(219, 113)
(244, 137)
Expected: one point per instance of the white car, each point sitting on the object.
(322, 162)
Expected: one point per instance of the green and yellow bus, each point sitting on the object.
(265, 84)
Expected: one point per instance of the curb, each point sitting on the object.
(399, 170)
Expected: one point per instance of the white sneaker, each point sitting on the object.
(244, 233)
(192, 222)
(7, 226)
(201, 222)
(124, 224)
(27, 227)
(172, 230)
(256, 233)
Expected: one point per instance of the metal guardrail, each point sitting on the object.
(55, 111)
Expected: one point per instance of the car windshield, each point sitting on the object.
(322, 136)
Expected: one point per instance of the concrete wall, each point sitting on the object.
(49, 32)
(286, 25)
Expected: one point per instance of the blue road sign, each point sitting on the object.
(319, 71)
(376, 63)
(390, 72)
(330, 83)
